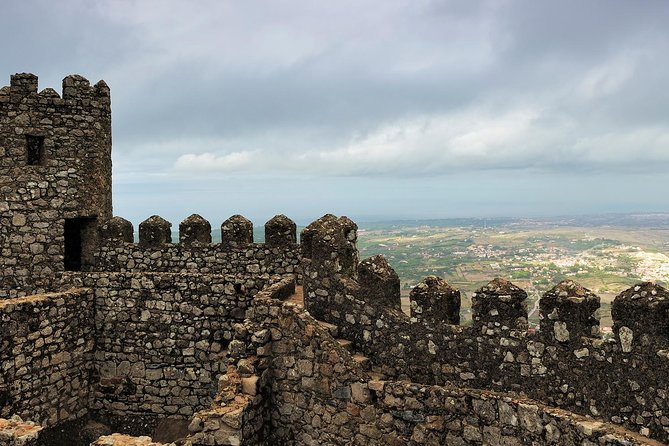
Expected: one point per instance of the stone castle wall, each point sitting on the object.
(236, 254)
(46, 352)
(320, 395)
(16, 432)
(138, 345)
(70, 175)
(200, 330)
(566, 364)
(161, 338)
(290, 382)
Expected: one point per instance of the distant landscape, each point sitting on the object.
(605, 253)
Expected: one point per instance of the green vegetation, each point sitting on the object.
(534, 255)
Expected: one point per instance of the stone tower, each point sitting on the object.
(55, 179)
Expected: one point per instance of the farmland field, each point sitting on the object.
(605, 255)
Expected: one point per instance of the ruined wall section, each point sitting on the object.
(566, 364)
(305, 372)
(284, 360)
(194, 252)
(16, 432)
(161, 338)
(46, 351)
(320, 395)
(242, 409)
(55, 164)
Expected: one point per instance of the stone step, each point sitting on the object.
(377, 375)
(330, 328)
(363, 361)
(348, 345)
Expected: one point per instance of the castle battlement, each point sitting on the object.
(237, 253)
(195, 231)
(76, 91)
(202, 343)
(567, 363)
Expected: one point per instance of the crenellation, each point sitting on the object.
(195, 231)
(76, 87)
(117, 251)
(329, 253)
(330, 242)
(499, 306)
(236, 232)
(117, 230)
(101, 90)
(200, 344)
(379, 283)
(155, 232)
(641, 318)
(434, 302)
(280, 231)
(497, 352)
(568, 312)
(22, 85)
(49, 93)
(337, 403)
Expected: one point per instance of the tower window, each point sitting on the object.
(35, 150)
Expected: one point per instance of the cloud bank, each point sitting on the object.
(363, 89)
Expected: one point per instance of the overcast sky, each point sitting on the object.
(374, 109)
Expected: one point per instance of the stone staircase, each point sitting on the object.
(364, 362)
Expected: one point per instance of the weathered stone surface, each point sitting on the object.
(280, 231)
(154, 232)
(256, 259)
(379, 283)
(329, 252)
(127, 440)
(16, 432)
(194, 231)
(117, 230)
(174, 329)
(435, 302)
(237, 232)
(47, 348)
(330, 242)
(338, 404)
(55, 164)
(571, 313)
(497, 351)
(644, 312)
(499, 306)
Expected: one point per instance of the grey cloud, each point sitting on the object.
(362, 88)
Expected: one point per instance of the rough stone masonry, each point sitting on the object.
(112, 341)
